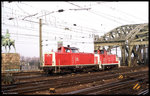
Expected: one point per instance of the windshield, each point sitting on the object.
(101, 51)
(68, 50)
(75, 51)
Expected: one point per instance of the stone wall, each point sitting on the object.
(10, 62)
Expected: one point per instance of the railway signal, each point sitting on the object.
(52, 90)
(120, 77)
(136, 87)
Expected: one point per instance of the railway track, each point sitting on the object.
(144, 92)
(111, 87)
(23, 73)
(14, 77)
(37, 78)
(29, 87)
(39, 75)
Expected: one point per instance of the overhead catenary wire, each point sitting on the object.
(75, 28)
(122, 12)
(29, 35)
(52, 40)
(61, 25)
(111, 16)
(37, 22)
(57, 17)
(86, 33)
(21, 9)
(47, 31)
(68, 36)
(108, 16)
(64, 40)
(29, 29)
(95, 13)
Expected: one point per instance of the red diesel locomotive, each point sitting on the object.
(71, 58)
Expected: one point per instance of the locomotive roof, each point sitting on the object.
(72, 48)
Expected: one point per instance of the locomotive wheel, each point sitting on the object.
(47, 71)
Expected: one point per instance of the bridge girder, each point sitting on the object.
(127, 37)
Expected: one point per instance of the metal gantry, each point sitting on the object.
(132, 40)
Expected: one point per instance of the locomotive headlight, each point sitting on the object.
(117, 59)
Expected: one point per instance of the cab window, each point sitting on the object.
(59, 50)
(101, 51)
(74, 51)
(68, 50)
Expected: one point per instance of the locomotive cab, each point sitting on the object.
(106, 59)
(68, 50)
(103, 51)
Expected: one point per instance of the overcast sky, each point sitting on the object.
(91, 18)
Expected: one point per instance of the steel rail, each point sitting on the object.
(73, 79)
(84, 80)
(144, 92)
(116, 83)
(117, 86)
(19, 83)
(46, 86)
(99, 73)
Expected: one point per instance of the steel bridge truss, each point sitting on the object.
(132, 40)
